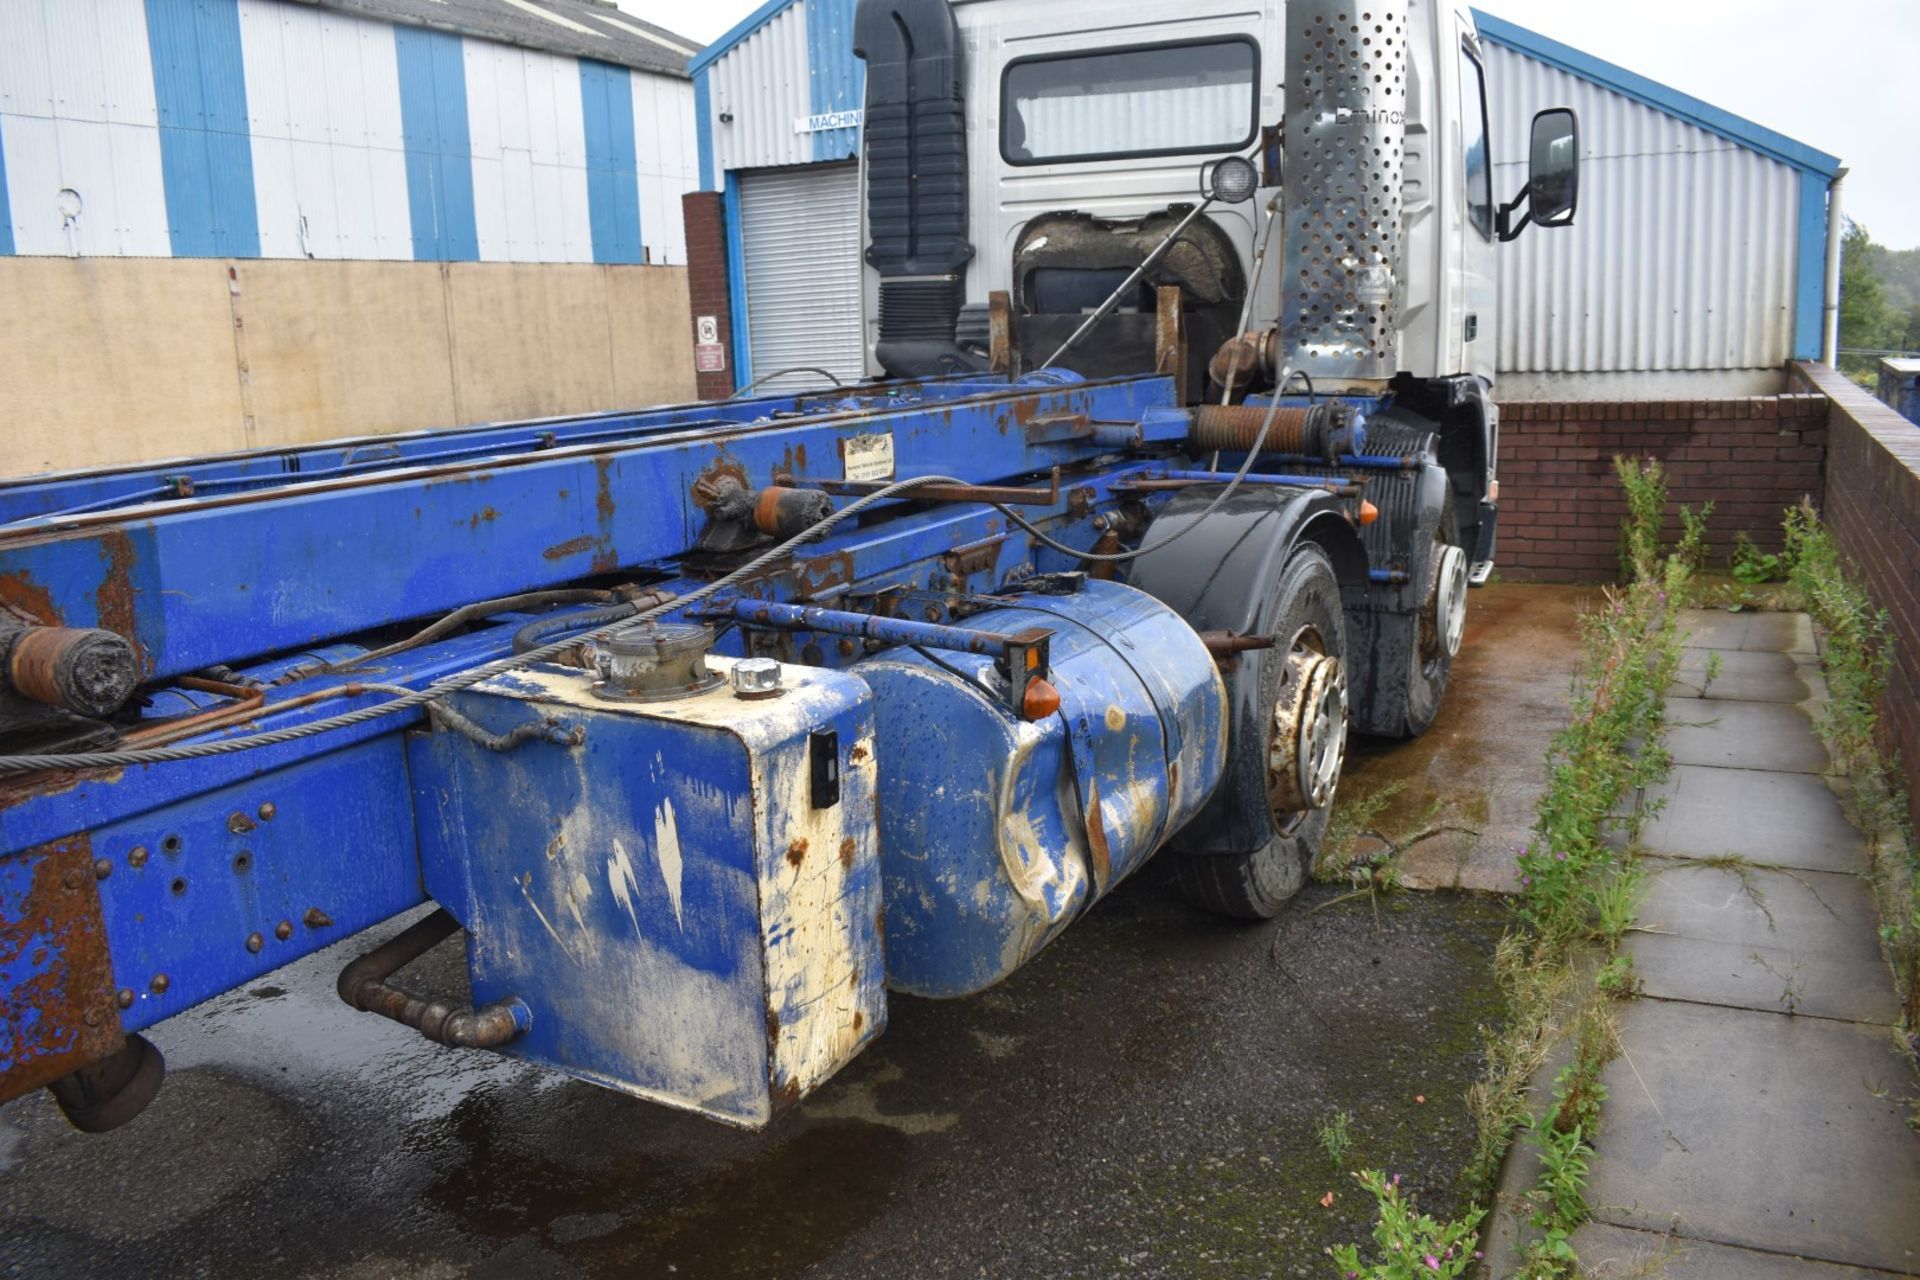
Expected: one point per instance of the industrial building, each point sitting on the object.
(217, 213)
(1696, 266)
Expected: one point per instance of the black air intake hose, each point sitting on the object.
(916, 141)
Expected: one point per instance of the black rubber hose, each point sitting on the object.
(474, 613)
(537, 632)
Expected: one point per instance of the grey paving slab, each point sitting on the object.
(1785, 1135)
(1743, 735)
(1743, 676)
(1718, 629)
(1783, 942)
(1617, 1253)
(1787, 820)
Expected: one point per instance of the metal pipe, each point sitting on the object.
(364, 985)
(864, 625)
(1221, 477)
(1113, 299)
(1836, 233)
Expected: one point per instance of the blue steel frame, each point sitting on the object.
(216, 871)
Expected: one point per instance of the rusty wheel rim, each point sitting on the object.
(1309, 731)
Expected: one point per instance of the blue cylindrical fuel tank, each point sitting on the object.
(997, 831)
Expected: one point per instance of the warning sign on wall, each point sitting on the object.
(709, 357)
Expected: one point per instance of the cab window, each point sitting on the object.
(1146, 100)
(1473, 142)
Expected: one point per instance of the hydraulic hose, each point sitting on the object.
(465, 680)
(528, 638)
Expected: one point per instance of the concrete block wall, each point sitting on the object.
(1872, 506)
(708, 286)
(1561, 508)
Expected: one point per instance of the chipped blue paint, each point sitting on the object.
(987, 855)
(685, 924)
(733, 977)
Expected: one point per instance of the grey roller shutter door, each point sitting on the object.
(800, 230)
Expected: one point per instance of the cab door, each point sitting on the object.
(1475, 285)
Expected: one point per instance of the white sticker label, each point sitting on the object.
(869, 457)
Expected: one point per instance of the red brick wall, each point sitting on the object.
(1560, 506)
(1872, 507)
(706, 219)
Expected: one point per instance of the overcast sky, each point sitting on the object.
(1840, 75)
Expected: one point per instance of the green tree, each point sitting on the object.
(1866, 321)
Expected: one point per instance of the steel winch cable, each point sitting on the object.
(757, 383)
(465, 680)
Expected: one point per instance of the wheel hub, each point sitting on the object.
(1309, 731)
(1446, 619)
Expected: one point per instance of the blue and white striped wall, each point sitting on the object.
(782, 88)
(257, 128)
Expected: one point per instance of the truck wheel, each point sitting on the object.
(1299, 749)
(1414, 655)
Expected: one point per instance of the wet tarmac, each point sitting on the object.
(1143, 1100)
(1470, 783)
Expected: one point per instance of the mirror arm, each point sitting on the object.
(1503, 223)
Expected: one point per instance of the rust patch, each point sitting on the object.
(114, 601)
(485, 515)
(786, 1095)
(1097, 842)
(571, 547)
(603, 489)
(773, 1027)
(708, 486)
(856, 755)
(847, 848)
(21, 595)
(797, 852)
(239, 823)
(62, 1015)
(819, 574)
(859, 1021)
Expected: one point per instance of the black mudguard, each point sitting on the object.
(1412, 506)
(1219, 577)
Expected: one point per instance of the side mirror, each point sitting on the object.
(1552, 193)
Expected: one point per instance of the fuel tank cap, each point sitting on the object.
(655, 662)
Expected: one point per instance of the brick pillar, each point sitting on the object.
(708, 287)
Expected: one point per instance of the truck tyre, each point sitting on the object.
(1414, 652)
(1298, 686)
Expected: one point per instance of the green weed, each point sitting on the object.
(1335, 1139)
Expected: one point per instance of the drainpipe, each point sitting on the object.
(1836, 231)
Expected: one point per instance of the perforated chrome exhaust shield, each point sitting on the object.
(1347, 68)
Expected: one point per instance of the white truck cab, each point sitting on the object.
(1110, 109)
(1032, 168)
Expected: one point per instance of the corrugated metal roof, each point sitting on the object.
(583, 28)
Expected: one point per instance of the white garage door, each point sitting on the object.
(800, 231)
